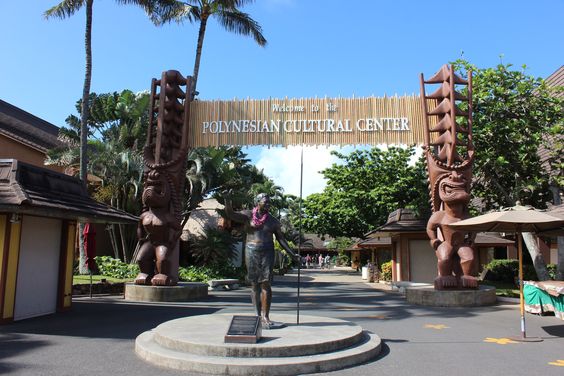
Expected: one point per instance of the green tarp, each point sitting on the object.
(539, 301)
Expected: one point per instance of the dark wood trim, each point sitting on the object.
(405, 268)
(4, 267)
(62, 265)
(17, 266)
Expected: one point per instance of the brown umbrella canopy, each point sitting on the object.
(516, 220)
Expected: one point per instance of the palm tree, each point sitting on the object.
(275, 192)
(226, 13)
(64, 9)
(214, 247)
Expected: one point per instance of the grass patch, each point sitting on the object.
(85, 279)
(504, 289)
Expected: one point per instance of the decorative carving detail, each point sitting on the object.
(449, 152)
(164, 175)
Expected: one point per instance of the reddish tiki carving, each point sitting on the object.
(164, 175)
(449, 152)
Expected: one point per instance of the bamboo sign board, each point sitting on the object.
(319, 121)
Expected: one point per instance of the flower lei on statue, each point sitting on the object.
(258, 219)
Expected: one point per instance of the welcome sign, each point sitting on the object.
(317, 121)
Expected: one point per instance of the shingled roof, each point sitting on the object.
(28, 189)
(27, 129)
(401, 220)
(556, 79)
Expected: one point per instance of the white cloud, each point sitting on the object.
(283, 166)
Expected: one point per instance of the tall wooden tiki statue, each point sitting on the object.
(449, 152)
(164, 175)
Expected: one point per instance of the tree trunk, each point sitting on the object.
(538, 261)
(201, 35)
(84, 125)
(560, 266)
(560, 239)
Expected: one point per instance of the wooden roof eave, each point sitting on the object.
(74, 215)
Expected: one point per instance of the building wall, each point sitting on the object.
(11, 149)
(36, 261)
(38, 267)
(423, 261)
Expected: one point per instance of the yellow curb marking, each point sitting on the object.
(499, 341)
(438, 326)
(559, 363)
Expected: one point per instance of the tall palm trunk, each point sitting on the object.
(201, 35)
(84, 123)
(560, 239)
(532, 243)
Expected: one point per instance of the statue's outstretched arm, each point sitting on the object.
(283, 243)
(230, 213)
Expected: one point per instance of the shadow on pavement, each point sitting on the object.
(102, 320)
(554, 330)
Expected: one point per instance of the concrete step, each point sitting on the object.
(318, 344)
(148, 349)
(204, 335)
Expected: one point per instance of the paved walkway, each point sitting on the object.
(97, 336)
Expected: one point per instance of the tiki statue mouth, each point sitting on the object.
(156, 192)
(454, 188)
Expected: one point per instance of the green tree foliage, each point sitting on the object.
(118, 124)
(62, 10)
(514, 114)
(363, 189)
(340, 243)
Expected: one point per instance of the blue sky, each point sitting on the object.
(315, 48)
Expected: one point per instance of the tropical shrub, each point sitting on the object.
(552, 270)
(508, 270)
(214, 248)
(343, 259)
(386, 273)
(114, 268)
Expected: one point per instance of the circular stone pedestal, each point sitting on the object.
(318, 344)
(183, 292)
(428, 296)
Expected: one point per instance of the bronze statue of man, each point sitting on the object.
(260, 228)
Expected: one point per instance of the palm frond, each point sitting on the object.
(241, 23)
(64, 9)
(174, 11)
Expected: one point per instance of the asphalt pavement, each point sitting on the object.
(97, 336)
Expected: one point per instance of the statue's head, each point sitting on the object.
(454, 188)
(156, 192)
(262, 201)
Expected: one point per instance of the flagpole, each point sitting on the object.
(300, 232)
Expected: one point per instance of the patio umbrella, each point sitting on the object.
(517, 219)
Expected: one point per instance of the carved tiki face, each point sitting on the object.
(157, 191)
(453, 188)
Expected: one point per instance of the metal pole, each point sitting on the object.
(90, 282)
(300, 232)
(521, 298)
